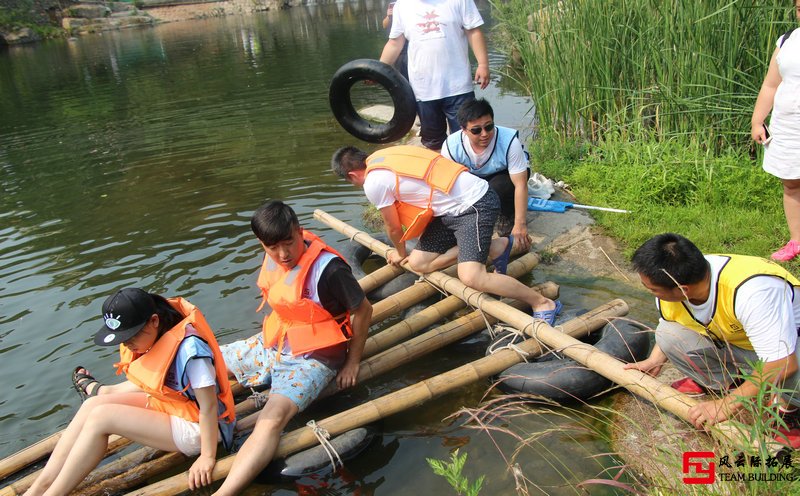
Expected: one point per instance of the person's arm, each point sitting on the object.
(394, 230)
(766, 97)
(708, 413)
(520, 229)
(478, 44)
(392, 49)
(359, 322)
(387, 21)
(200, 471)
(651, 365)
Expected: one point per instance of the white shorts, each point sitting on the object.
(186, 435)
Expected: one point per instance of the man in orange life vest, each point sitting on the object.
(319, 323)
(719, 314)
(453, 213)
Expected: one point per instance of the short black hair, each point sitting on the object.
(667, 259)
(274, 222)
(348, 159)
(472, 110)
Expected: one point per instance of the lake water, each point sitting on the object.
(135, 158)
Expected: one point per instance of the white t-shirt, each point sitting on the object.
(201, 373)
(380, 186)
(517, 161)
(438, 50)
(766, 307)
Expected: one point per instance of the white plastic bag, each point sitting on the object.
(540, 186)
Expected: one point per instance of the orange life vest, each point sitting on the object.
(416, 163)
(306, 324)
(149, 370)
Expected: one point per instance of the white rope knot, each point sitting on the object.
(511, 336)
(259, 398)
(323, 437)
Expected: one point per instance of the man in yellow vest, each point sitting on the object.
(451, 211)
(316, 332)
(719, 313)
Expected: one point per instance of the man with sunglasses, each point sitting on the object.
(719, 315)
(495, 154)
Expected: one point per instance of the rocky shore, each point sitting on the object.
(28, 19)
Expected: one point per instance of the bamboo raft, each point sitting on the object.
(385, 350)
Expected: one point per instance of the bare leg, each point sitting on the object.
(426, 262)
(474, 275)
(259, 449)
(127, 416)
(497, 247)
(791, 206)
(67, 440)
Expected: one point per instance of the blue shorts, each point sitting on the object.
(298, 378)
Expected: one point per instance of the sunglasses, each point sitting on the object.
(477, 129)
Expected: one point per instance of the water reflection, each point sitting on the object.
(137, 157)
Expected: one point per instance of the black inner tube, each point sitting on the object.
(396, 85)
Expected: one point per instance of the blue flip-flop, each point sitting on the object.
(549, 316)
(501, 263)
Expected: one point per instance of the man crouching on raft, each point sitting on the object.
(318, 308)
(719, 314)
(452, 212)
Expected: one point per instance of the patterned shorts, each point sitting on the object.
(471, 231)
(295, 377)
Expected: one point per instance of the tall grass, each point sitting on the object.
(654, 68)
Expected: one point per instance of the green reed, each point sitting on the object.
(655, 68)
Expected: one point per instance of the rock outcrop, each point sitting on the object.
(86, 18)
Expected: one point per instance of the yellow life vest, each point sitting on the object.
(416, 163)
(149, 370)
(724, 326)
(305, 323)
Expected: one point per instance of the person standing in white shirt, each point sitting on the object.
(438, 32)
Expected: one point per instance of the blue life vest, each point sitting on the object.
(498, 160)
(193, 347)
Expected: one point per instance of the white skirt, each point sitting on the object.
(782, 154)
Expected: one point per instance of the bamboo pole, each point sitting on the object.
(379, 277)
(609, 367)
(423, 344)
(35, 452)
(410, 326)
(403, 399)
(442, 309)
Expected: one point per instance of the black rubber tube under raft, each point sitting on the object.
(405, 111)
(316, 460)
(562, 379)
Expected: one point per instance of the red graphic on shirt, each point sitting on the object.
(430, 24)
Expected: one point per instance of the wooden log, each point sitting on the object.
(637, 382)
(403, 399)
